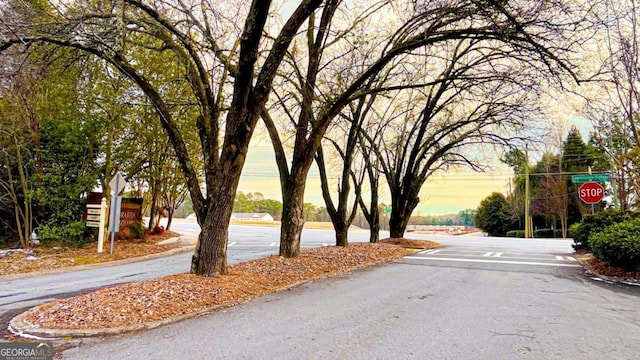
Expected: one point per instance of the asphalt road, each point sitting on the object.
(476, 298)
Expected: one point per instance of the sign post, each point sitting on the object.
(117, 185)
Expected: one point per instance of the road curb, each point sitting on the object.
(595, 276)
(19, 326)
(97, 265)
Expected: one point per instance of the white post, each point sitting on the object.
(103, 220)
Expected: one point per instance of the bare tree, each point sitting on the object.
(477, 99)
(614, 104)
(197, 35)
(553, 191)
(523, 29)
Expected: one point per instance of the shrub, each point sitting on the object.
(72, 234)
(618, 245)
(543, 233)
(515, 233)
(138, 231)
(157, 230)
(580, 232)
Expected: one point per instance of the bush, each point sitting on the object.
(580, 232)
(159, 229)
(543, 233)
(618, 245)
(138, 231)
(515, 233)
(72, 234)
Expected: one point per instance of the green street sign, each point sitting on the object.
(577, 179)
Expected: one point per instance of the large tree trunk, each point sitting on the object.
(374, 226)
(342, 229)
(292, 219)
(397, 225)
(210, 255)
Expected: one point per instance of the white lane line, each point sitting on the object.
(490, 261)
(559, 258)
(233, 243)
(488, 254)
(272, 244)
(434, 251)
(497, 254)
(570, 258)
(325, 244)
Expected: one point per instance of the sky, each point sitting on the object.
(443, 194)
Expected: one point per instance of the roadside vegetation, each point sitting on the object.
(171, 94)
(613, 237)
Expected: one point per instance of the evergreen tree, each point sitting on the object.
(493, 215)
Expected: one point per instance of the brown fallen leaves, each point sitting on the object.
(176, 295)
(50, 258)
(600, 267)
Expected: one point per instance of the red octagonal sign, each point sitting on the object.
(591, 192)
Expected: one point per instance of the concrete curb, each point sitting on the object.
(594, 275)
(178, 250)
(19, 326)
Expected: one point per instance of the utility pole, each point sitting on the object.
(614, 178)
(528, 226)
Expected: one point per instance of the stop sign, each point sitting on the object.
(591, 192)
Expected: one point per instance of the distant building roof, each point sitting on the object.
(251, 215)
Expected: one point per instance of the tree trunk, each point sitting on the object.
(210, 255)
(374, 227)
(292, 218)
(397, 225)
(342, 230)
(170, 210)
(153, 211)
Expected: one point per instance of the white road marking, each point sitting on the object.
(488, 254)
(325, 244)
(233, 243)
(559, 258)
(570, 258)
(490, 261)
(497, 254)
(429, 251)
(272, 244)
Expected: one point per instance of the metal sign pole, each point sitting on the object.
(113, 224)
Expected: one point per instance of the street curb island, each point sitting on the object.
(19, 325)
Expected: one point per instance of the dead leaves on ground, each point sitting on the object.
(175, 295)
(51, 258)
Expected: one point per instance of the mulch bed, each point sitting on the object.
(600, 267)
(175, 295)
(52, 257)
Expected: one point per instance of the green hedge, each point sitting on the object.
(580, 232)
(618, 245)
(539, 233)
(515, 233)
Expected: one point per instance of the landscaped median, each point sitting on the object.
(157, 302)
